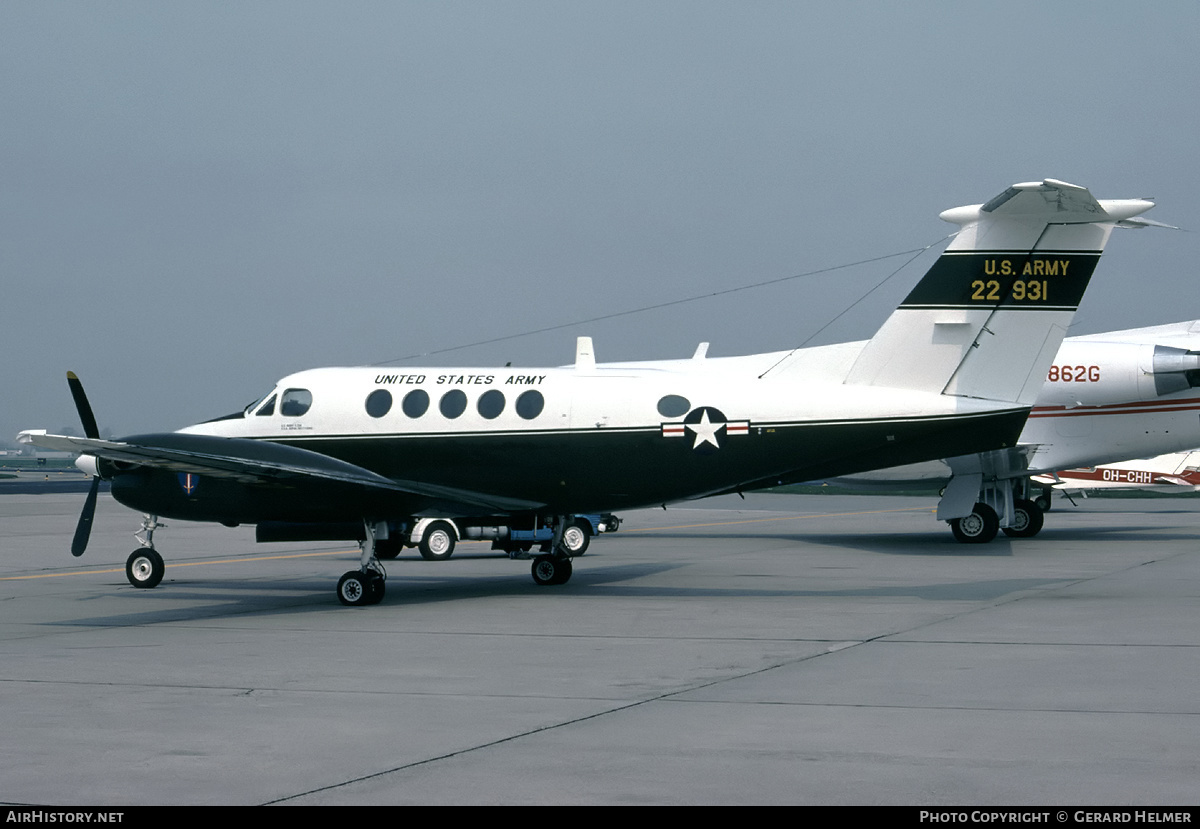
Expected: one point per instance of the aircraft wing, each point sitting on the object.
(259, 462)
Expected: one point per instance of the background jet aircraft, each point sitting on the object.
(954, 370)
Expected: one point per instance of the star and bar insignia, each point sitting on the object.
(708, 426)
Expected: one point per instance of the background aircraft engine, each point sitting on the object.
(1174, 369)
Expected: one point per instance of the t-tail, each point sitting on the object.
(989, 316)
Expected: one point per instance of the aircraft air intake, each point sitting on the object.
(1175, 369)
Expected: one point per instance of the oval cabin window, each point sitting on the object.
(530, 404)
(453, 403)
(379, 402)
(415, 403)
(491, 404)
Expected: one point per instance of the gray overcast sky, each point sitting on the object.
(198, 198)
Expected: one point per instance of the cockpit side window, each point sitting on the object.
(267, 408)
(295, 402)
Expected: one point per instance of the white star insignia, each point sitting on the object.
(706, 431)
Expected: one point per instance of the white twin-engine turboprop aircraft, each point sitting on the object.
(953, 371)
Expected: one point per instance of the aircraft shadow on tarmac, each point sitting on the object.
(194, 599)
(184, 596)
(943, 544)
(913, 544)
(1131, 533)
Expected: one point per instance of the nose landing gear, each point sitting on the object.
(145, 568)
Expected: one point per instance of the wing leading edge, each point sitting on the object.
(263, 463)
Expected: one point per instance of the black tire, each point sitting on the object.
(1028, 520)
(437, 542)
(979, 527)
(548, 570)
(389, 548)
(144, 568)
(1043, 502)
(378, 587)
(356, 588)
(576, 537)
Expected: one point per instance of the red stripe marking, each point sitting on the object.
(1140, 407)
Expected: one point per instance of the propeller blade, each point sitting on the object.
(83, 529)
(81, 403)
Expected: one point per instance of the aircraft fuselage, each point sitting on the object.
(567, 440)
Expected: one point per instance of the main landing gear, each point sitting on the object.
(979, 527)
(366, 584)
(554, 567)
(551, 569)
(982, 525)
(1028, 518)
(358, 588)
(144, 567)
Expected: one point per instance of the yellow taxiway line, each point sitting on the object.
(175, 564)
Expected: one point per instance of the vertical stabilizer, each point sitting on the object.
(989, 316)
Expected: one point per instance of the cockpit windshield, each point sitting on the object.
(257, 402)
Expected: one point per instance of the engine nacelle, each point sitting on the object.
(101, 468)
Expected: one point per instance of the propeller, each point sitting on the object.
(83, 530)
(81, 403)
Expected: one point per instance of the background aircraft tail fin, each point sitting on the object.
(987, 319)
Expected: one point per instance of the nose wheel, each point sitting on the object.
(144, 568)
